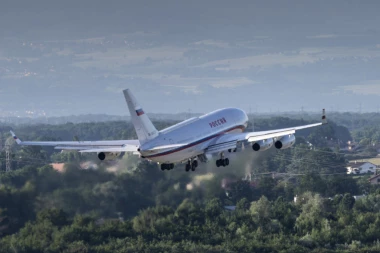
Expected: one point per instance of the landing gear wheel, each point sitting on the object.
(165, 166)
(188, 167)
(222, 162)
(194, 165)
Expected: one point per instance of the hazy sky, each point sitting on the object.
(75, 57)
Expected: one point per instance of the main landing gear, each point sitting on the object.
(222, 161)
(191, 165)
(165, 166)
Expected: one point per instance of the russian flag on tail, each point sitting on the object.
(139, 112)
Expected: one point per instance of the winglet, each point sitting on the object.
(15, 138)
(324, 119)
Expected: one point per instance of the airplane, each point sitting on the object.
(194, 139)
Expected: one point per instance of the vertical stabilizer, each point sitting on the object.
(145, 130)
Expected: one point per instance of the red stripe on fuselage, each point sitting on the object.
(195, 143)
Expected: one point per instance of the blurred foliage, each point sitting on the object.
(139, 208)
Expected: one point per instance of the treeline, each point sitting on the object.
(247, 207)
(146, 210)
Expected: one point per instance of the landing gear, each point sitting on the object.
(222, 161)
(188, 166)
(191, 165)
(165, 166)
(194, 165)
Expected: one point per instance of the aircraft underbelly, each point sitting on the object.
(180, 156)
(192, 151)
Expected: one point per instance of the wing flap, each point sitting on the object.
(256, 136)
(124, 145)
(220, 147)
(309, 126)
(122, 149)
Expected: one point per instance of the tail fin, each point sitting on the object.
(145, 130)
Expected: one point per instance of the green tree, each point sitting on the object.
(261, 211)
(312, 213)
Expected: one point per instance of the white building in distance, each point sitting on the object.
(361, 168)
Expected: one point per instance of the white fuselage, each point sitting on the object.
(196, 133)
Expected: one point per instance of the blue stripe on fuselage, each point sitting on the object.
(194, 143)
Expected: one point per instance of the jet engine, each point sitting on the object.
(262, 145)
(285, 141)
(108, 155)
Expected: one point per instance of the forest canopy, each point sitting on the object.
(294, 200)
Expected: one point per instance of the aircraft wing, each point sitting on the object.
(131, 148)
(90, 146)
(230, 141)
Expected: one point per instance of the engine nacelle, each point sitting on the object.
(285, 142)
(262, 145)
(108, 155)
